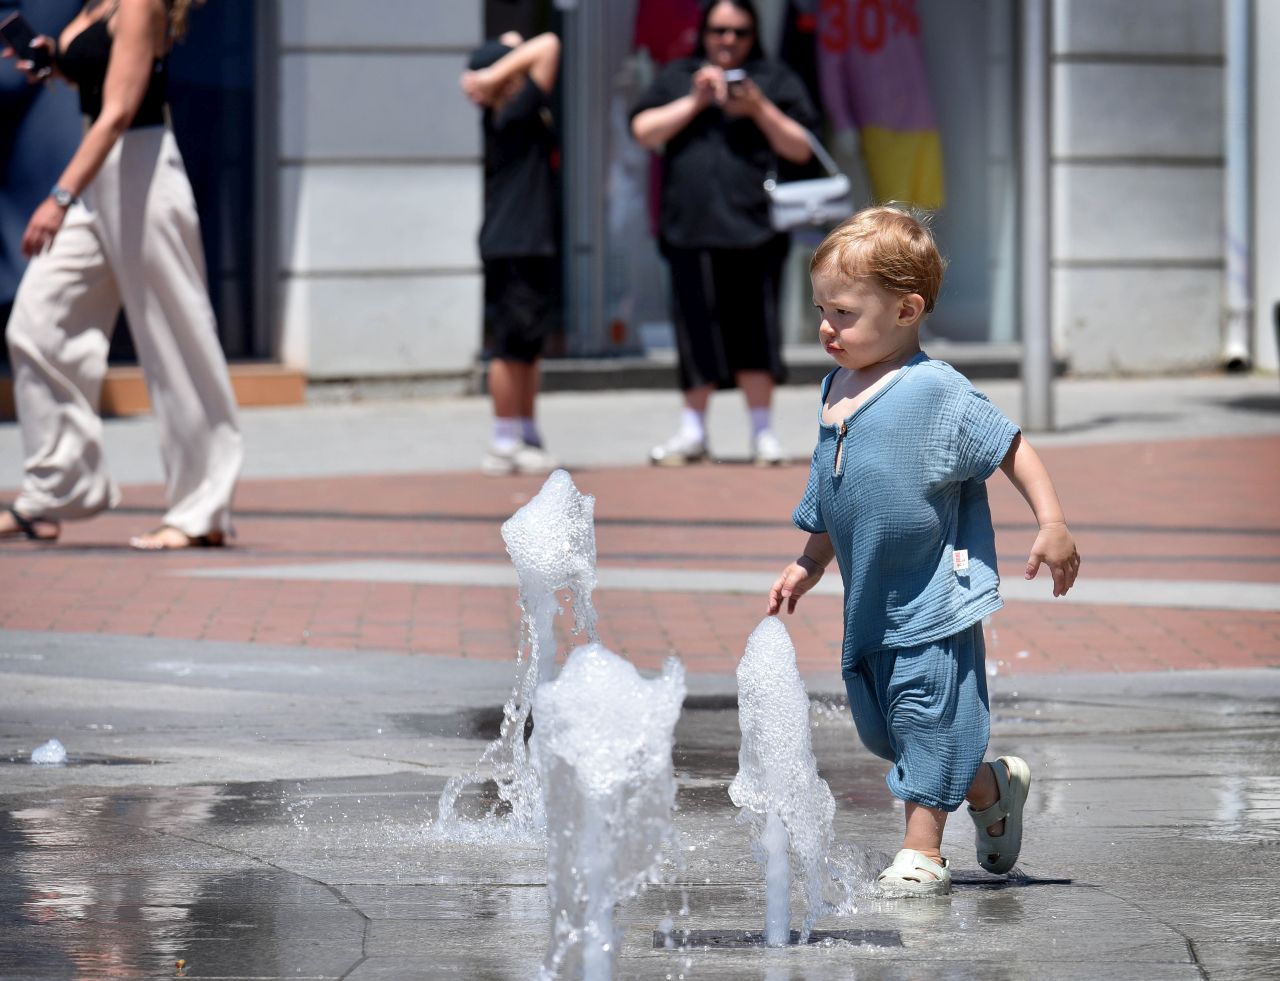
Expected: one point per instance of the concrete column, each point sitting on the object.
(1266, 204)
(1034, 300)
(1237, 199)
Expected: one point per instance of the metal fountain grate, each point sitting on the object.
(726, 939)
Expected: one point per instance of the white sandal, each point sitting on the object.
(997, 853)
(914, 874)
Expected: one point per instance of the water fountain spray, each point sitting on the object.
(552, 543)
(787, 807)
(597, 775)
(603, 748)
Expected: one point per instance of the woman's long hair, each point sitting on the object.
(748, 7)
(179, 12)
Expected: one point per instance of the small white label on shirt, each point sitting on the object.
(960, 561)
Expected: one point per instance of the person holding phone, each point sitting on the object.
(724, 119)
(119, 229)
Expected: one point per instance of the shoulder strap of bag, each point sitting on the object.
(823, 156)
(819, 151)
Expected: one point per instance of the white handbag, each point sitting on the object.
(818, 202)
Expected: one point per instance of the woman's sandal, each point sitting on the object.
(29, 528)
(167, 538)
(914, 874)
(997, 853)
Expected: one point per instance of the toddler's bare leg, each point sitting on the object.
(925, 824)
(924, 830)
(983, 792)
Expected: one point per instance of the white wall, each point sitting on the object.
(1137, 184)
(379, 188)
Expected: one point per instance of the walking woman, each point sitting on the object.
(119, 228)
(724, 118)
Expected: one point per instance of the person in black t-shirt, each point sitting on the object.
(725, 119)
(511, 79)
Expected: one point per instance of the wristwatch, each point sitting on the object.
(62, 197)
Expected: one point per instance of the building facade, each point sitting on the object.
(346, 248)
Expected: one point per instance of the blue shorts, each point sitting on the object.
(925, 710)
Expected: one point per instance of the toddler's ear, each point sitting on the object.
(911, 309)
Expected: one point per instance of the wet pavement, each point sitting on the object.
(257, 737)
(268, 816)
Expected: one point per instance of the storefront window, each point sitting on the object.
(952, 120)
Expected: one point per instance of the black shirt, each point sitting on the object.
(519, 206)
(84, 62)
(714, 169)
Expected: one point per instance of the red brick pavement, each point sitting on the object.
(1185, 510)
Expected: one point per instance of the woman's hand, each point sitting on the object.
(709, 87)
(44, 225)
(744, 100)
(26, 65)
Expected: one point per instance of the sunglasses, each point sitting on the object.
(734, 32)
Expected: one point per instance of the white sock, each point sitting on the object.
(506, 435)
(693, 425)
(529, 431)
(760, 421)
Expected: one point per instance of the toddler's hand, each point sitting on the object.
(796, 580)
(1055, 547)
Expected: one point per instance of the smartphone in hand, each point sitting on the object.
(18, 34)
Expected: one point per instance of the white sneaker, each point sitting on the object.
(768, 451)
(678, 451)
(522, 459)
(534, 459)
(497, 464)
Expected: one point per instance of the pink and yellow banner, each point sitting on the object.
(872, 77)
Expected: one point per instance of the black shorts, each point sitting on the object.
(517, 305)
(724, 306)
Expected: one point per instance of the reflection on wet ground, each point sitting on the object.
(110, 887)
(1142, 816)
(86, 759)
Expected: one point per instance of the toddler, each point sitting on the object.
(896, 493)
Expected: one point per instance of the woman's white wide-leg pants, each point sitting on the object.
(132, 241)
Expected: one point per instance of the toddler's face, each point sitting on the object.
(863, 324)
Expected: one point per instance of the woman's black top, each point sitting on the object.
(84, 61)
(714, 169)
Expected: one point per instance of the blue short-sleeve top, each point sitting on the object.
(906, 507)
